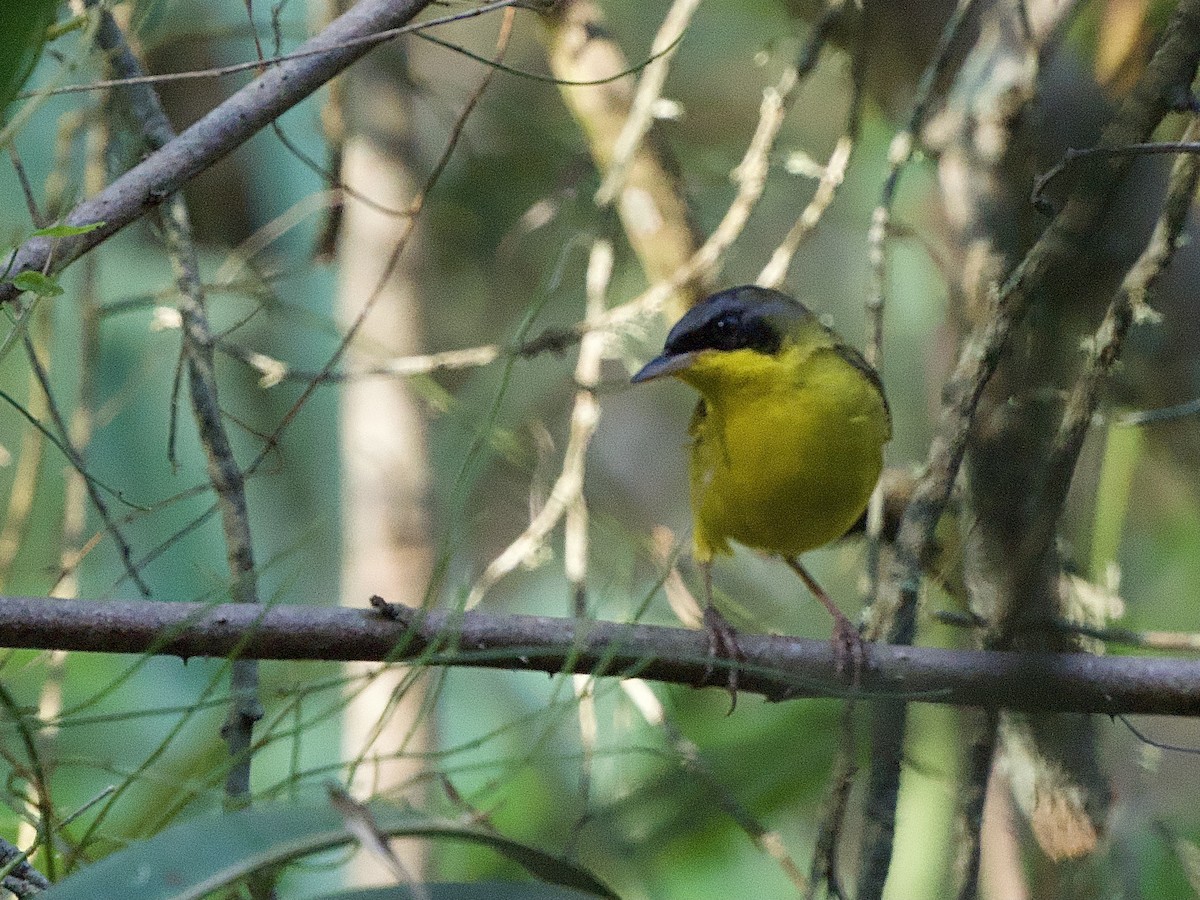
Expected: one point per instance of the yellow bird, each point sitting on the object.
(787, 439)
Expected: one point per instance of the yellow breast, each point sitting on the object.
(786, 449)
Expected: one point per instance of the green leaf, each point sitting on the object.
(22, 32)
(1123, 452)
(192, 859)
(481, 890)
(59, 231)
(37, 283)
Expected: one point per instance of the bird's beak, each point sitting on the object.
(665, 364)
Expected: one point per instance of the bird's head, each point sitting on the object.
(732, 330)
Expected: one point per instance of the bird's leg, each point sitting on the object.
(848, 644)
(722, 638)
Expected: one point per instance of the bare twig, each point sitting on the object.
(831, 175)
(899, 154)
(751, 178)
(362, 42)
(650, 202)
(72, 454)
(970, 813)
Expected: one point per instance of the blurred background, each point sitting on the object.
(499, 257)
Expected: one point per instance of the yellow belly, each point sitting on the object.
(785, 466)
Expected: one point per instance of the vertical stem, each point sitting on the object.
(223, 471)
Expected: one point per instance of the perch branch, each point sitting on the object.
(777, 667)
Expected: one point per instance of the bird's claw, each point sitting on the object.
(722, 644)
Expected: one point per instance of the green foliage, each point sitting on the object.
(480, 890)
(23, 27)
(190, 860)
(37, 283)
(61, 231)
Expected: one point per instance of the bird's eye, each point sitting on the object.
(726, 323)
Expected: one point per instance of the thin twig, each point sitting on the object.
(274, 371)
(585, 415)
(833, 173)
(651, 201)
(971, 804)
(64, 443)
(408, 225)
(829, 832)
(1186, 145)
(750, 176)
(361, 43)
(899, 155)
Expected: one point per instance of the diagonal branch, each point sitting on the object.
(213, 137)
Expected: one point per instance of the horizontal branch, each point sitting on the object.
(217, 134)
(777, 667)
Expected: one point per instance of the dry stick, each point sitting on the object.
(823, 870)
(900, 153)
(275, 371)
(751, 175)
(975, 779)
(650, 201)
(413, 212)
(687, 610)
(882, 792)
(224, 472)
(214, 136)
(390, 696)
(751, 178)
(74, 544)
(1171, 69)
(833, 173)
(30, 457)
(780, 668)
(1170, 641)
(83, 418)
(641, 111)
(365, 42)
(64, 443)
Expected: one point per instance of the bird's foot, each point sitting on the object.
(722, 644)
